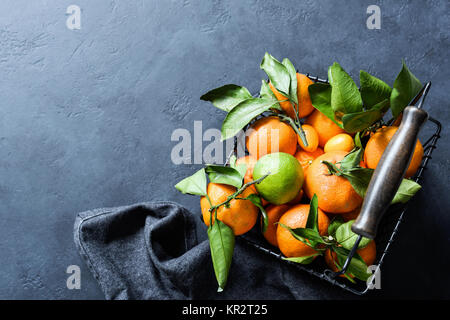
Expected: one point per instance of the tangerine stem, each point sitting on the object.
(332, 169)
(238, 192)
(297, 128)
(297, 119)
(210, 215)
(209, 200)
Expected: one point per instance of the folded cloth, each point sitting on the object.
(151, 251)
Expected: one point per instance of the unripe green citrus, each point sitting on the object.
(285, 177)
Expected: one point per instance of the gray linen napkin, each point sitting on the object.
(151, 251)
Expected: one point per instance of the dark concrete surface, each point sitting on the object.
(86, 115)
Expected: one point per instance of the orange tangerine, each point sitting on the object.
(296, 217)
(269, 135)
(305, 106)
(240, 216)
(335, 194)
(326, 129)
(379, 141)
(304, 100)
(306, 158)
(368, 254)
(311, 137)
(274, 214)
(340, 142)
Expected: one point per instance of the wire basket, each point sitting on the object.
(387, 230)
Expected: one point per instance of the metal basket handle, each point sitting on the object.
(389, 173)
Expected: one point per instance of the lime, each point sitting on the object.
(284, 180)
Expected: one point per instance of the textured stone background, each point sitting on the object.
(86, 115)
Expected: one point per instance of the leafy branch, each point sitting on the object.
(238, 192)
(295, 125)
(340, 239)
(221, 236)
(360, 177)
(356, 109)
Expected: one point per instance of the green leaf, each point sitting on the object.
(352, 159)
(293, 75)
(297, 235)
(346, 275)
(357, 140)
(221, 243)
(195, 184)
(373, 90)
(312, 222)
(266, 93)
(345, 96)
(347, 238)
(225, 175)
(243, 113)
(305, 233)
(256, 200)
(242, 169)
(303, 260)
(320, 94)
(227, 96)
(357, 266)
(334, 224)
(277, 73)
(359, 178)
(382, 106)
(406, 87)
(358, 121)
(406, 191)
(233, 161)
(332, 168)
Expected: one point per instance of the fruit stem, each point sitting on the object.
(209, 200)
(238, 192)
(297, 127)
(297, 119)
(328, 241)
(215, 213)
(332, 169)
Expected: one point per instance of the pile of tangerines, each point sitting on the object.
(336, 196)
(305, 152)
